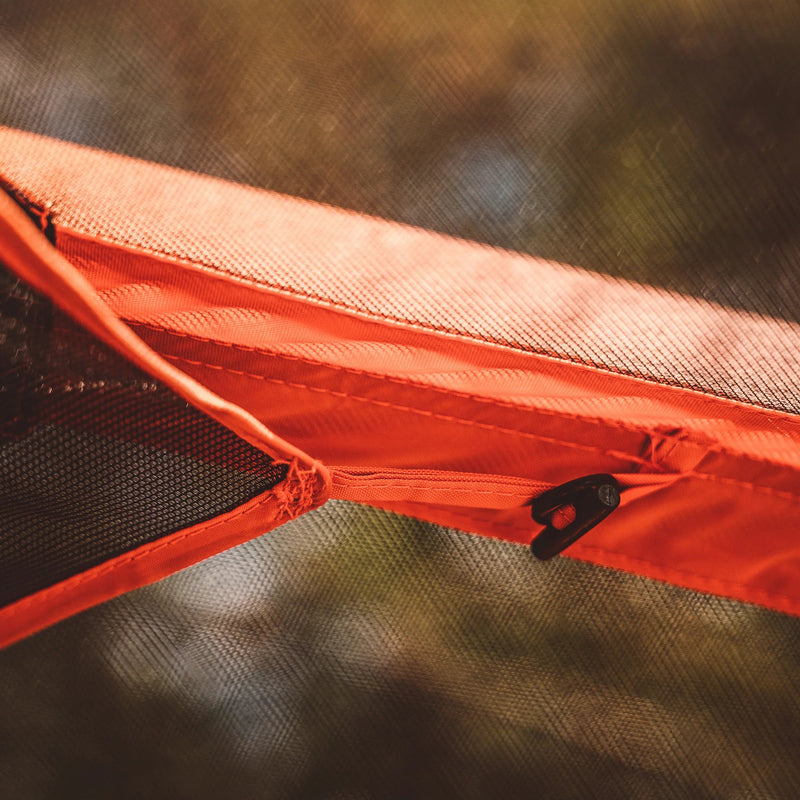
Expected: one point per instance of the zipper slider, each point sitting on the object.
(571, 510)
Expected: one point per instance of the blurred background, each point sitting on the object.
(653, 141)
(353, 653)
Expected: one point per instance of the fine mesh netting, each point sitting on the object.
(96, 457)
(656, 144)
(650, 141)
(388, 272)
(357, 654)
(353, 653)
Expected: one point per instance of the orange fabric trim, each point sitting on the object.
(156, 560)
(272, 293)
(736, 468)
(25, 250)
(741, 462)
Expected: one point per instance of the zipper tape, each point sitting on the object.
(465, 489)
(435, 487)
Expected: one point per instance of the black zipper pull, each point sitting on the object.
(582, 503)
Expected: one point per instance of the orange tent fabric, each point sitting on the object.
(376, 349)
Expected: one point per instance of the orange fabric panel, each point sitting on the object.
(191, 314)
(25, 250)
(374, 347)
(716, 503)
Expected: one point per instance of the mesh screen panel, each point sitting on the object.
(386, 271)
(96, 457)
(655, 143)
(353, 653)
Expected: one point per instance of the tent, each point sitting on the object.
(399, 402)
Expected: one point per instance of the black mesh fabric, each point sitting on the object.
(650, 141)
(353, 653)
(96, 457)
(356, 654)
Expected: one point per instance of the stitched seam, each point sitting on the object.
(762, 410)
(382, 376)
(386, 404)
(484, 425)
(446, 490)
(271, 496)
(616, 424)
(500, 529)
(704, 476)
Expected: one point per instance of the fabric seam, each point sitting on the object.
(386, 404)
(484, 425)
(419, 324)
(619, 425)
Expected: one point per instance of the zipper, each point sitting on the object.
(434, 487)
(566, 511)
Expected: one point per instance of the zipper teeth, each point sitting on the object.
(434, 474)
(438, 487)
